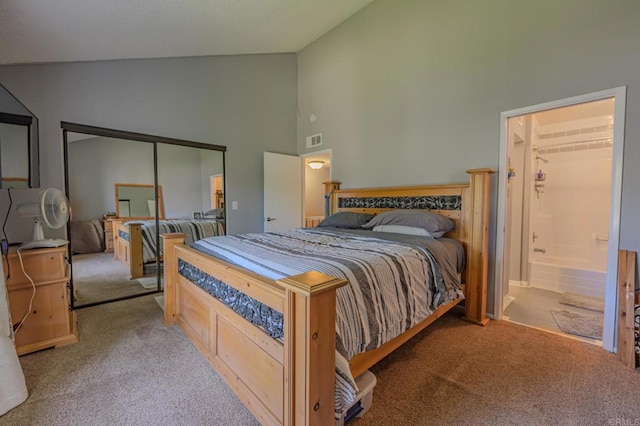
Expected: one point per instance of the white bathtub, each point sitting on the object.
(566, 275)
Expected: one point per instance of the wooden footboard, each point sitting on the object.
(128, 250)
(292, 382)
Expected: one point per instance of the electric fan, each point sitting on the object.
(52, 208)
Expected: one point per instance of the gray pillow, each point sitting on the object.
(435, 224)
(350, 220)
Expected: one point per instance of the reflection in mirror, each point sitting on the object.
(14, 150)
(200, 170)
(96, 167)
(137, 200)
(115, 188)
(18, 144)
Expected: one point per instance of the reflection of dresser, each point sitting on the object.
(107, 225)
(50, 323)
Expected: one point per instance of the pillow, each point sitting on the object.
(350, 220)
(217, 213)
(400, 229)
(435, 224)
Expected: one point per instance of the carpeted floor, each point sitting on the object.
(98, 277)
(129, 369)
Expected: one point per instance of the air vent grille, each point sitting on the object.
(314, 140)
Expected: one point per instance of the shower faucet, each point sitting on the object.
(539, 250)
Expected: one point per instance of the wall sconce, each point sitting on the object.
(315, 165)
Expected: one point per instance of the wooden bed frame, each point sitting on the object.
(129, 252)
(293, 383)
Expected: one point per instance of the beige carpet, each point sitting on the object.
(98, 277)
(129, 369)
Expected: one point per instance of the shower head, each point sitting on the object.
(540, 158)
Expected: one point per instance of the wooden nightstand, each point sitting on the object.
(107, 225)
(50, 323)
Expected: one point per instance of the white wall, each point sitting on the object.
(410, 92)
(573, 209)
(179, 174)
(245, 102)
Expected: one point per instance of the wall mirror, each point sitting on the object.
(138, 200)
(125, 189)
(18, 144)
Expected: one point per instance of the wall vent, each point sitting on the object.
(314, 140)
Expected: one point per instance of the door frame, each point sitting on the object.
(609, 336)
(304, 174)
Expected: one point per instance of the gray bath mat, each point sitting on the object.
(585, 302)
(579, 324)
(150, 283)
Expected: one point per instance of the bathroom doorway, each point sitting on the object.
(559, 208)
(316, 174)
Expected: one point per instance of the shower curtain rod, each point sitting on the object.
(575, 142)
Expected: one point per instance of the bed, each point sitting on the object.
(135, 241)
(292, 378)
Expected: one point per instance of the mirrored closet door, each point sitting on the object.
(105, 175)
(125, 189)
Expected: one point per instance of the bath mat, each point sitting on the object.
(150, 283)
(580, 301)
(579, 324)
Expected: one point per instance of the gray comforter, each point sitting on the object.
(395, 281)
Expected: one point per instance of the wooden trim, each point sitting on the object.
(295, 385)
(362, 362)
(129, 252)
(329, 188)
(478, 246)
(626, 307)
(309, 347)
(170, 264)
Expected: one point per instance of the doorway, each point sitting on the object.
(317, 174)
(559, 207)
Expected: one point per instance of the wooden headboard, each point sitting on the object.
(467, 204)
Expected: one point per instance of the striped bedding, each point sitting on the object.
(194, 229)
(393, 285)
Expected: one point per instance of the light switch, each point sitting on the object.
(234, 205)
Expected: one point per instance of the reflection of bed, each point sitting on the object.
(290, 379)
(135, 240)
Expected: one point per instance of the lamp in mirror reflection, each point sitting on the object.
(316, 164)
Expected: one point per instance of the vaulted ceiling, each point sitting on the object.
(37, 31)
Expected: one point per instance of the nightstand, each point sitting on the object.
(50, 323)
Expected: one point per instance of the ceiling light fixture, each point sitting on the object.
(316, 164)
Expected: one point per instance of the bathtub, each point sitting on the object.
(566, 275)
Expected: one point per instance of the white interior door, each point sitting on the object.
(282, 192)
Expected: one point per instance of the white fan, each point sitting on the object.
(52, 208)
